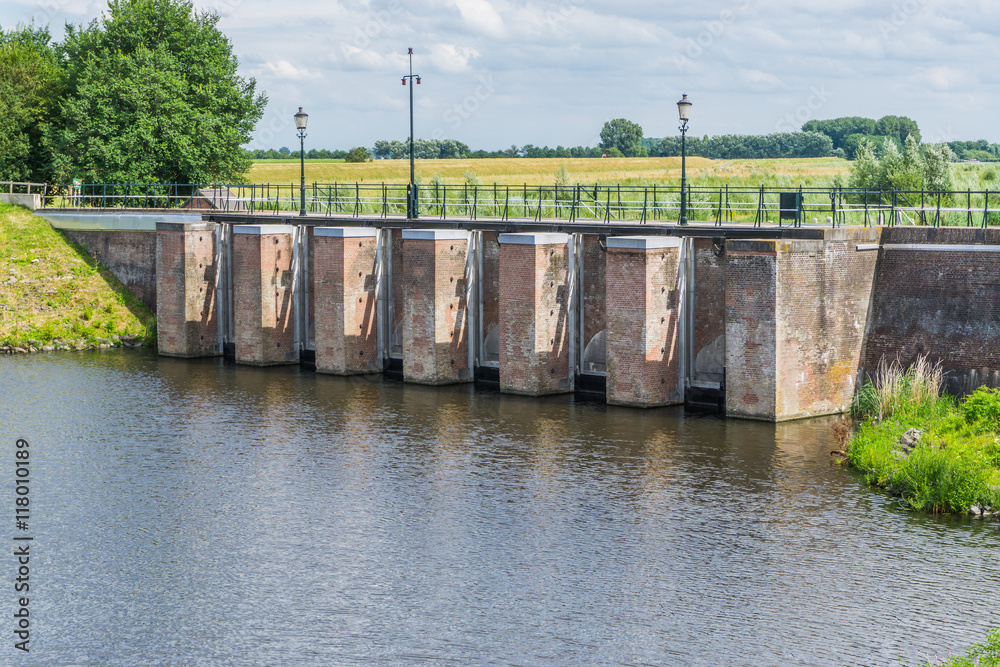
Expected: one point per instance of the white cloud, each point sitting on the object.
(481, 17)
(287, 71)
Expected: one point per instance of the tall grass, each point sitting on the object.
(955, 466)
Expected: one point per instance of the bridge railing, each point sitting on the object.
(16, 187)
(609, 204)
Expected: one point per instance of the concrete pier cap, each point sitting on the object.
(529, 238)
(644, 242)
(345, 232)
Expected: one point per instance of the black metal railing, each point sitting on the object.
(604, 203)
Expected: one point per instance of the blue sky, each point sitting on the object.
(503, 72)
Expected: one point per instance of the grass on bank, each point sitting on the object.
(986, 654)
(955, 466)
(52, 291)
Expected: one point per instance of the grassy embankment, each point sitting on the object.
(54, 295)
(954, 467)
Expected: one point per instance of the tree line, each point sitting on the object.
(148, 93)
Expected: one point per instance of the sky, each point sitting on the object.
(496, 73)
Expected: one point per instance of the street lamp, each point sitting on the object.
(300, 123)
(412, 211)
(684, 111)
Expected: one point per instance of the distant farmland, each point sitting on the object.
(545, 171)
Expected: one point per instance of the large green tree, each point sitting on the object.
(624, 135)
(152, 95)
(29, 87)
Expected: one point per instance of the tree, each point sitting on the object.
(152, 95)
(29, 87)
(358, 154)
(838, 129)
(897, 127)
(624, 135)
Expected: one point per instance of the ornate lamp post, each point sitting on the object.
(411, 190)
(684, 111)
(300, 123)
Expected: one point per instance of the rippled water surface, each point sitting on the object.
(198, 513)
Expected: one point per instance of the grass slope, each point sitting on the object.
(53, 293)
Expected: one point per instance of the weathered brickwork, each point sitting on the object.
(186, 295)
(940, 303)
(344, 297)
(129, 256)
(263, 305)
(593, 282)
(398, 290)
(491, 297)
(751, 290)
(796, 313)
(709, 309)
(643, 326)
(534, 317)
(435, 325)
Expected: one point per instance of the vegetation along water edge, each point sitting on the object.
(54, 296)
(935, 452)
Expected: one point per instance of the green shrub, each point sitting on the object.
(982, 409)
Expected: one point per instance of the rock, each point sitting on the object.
(975, 510)
(900, 455)
(32, 341)
(911, 438)
(20, 350)
(48, 348)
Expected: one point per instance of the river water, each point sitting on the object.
(199, 513)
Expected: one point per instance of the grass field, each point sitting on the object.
(545, 171)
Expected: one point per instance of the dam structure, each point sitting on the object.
(772, 322)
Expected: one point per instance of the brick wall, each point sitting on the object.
(344, 297)
(709, 309)
(435, 324)
(490, 292)
(938, 302)
(643, 327)
(129, 256)
(796, 313)
(186, 307)
(534, 317)
(593, 284)
(263, 308)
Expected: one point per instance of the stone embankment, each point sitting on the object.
(79, 344)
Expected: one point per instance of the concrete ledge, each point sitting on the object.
(644, 242)
(261, 230)
(941, 247)
(112, 222)
(31, 202)
(162, 226)
(527, 238)
(435, 235)
(345, 232)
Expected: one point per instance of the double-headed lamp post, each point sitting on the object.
(411, 191)
(684, 111)
(300, 123)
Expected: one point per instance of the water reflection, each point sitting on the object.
(216, 514)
